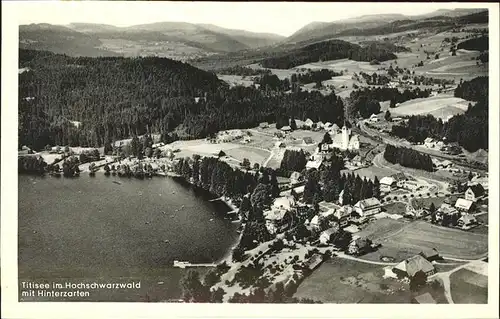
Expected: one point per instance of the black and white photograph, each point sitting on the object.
(241, 153)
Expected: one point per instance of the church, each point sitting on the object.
(344, 140)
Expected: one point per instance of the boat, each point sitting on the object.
(117, 182)
(211, 219)
(166, 241)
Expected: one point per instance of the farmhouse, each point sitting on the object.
(415, 210)
(320, 124)
(463, 205)
(264, 125)
(387, 184)
(367, 207)
(410, 266)
(467, 221)
(308, 123)
(445, 164)
(279, 144)
(286, 128)
(315, 163)
(445, 209)
(475, 192)
(429, 142)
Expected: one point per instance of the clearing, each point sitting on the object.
(469, 287)
(439, 106)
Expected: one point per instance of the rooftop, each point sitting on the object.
(463, 204)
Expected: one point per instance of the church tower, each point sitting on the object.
(345, 137)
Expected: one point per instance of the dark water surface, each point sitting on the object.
(91, 229)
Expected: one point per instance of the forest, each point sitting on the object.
(314, 76)
(476, 44)
(408, 157)
(242, 71)
(469, 130)
(94, 101)
(329, 50)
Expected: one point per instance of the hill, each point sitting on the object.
(113, 97)
(178, 40)
(385, 24)
(329, 50)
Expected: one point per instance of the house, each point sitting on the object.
(308, 140)
(464, 205)
(343, 215)
(158, 145)
(285, 202)
(308, 123)
(316, 163)
(444, 164)
(445, 209)
(357, 161)
(467, 221)
(334, 129)
(430, 254)
(409, 267)
(286, 128)
(295, 178)
(475, 193)
(264, 125)
(416, 210)
(429, 142)
(359, 246)
(277, 220)
(247, 139)
(327, 125)
(313, 262)
(373, 118)
(326, 236)
(425, 298)
(367, 207)
(387, 184)
(397, 119)
(320, 124)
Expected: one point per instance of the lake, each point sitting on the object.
(92, 229)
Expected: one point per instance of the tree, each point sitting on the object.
(157, 153)
(470, 176)
(246, 163)
(211, 278)
(148, 152)
(418, 280)
(217, 296)
(261, 197)
(327, 139)
(192, 288)
(256, 166)
(387, 116)
(293, 124)
(275, 190)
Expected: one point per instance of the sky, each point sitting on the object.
(282, 18)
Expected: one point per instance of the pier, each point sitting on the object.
(186, 264)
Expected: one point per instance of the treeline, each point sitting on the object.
(328, 50)
(477, 44)
(243, 71)
(315, 76)
(473, 90)
(374, 79)
(328, 183)
(31, 165)
(408, 157)
(365, 101)
(117, 98)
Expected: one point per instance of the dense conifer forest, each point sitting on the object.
(94, 101)
(329, 50)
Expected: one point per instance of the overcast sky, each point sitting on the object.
(283, 18)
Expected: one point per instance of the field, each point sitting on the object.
(395, 208)
(438, 106)
(255, 155)
(346, 281)
(234, 80)
(371, 172)
(469, 287)
(400, 238)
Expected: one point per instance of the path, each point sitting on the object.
(380, 263)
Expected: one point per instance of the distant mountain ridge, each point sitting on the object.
(87, 38)
(317, 31)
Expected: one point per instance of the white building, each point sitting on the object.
(345, 141)
(463, 205)
(387, 184)
(327, 235)
(279, 218)
(367, 207)
(308, 123)
(475, 192)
